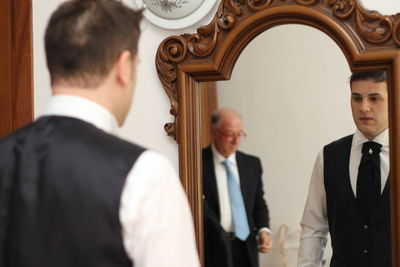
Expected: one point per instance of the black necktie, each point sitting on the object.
(369, 177)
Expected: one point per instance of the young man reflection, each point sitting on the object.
(73, 194)
(235, 211)
(349, 189)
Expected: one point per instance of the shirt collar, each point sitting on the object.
(382, 138)
(219, 158)
(83, 109)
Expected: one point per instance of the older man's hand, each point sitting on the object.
(264, 242)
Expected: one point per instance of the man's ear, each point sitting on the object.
(123, 68)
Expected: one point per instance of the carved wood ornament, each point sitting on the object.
(369, 40)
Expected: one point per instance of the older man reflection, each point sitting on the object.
(349, 188)
(235, 212)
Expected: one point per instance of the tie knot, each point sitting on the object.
(371, 148)
(226, 163)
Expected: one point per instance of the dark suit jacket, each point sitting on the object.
(216, 244)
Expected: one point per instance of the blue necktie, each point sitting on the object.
(240, 223)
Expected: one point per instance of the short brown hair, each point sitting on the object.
(376, 76)
(84, 38)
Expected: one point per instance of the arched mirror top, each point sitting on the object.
(367, 38)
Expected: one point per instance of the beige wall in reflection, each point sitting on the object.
(291, 86)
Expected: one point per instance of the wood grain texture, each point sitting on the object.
(369, 40)
(16, 71)
(208, 105)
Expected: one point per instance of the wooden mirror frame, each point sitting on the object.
(369, 40)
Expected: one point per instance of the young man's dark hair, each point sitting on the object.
(376, 76)
(84, 38)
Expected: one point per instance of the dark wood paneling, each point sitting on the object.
(5, 68)
(16, 71)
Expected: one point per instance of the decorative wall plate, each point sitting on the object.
(175, 14)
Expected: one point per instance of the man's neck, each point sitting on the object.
(96, 95)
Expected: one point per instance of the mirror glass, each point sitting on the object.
(290, 84)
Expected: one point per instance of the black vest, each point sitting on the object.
(60, 186)
(356, 240)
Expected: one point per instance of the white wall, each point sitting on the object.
(385, 7)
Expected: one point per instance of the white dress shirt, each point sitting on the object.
(315, 219)
(157, 225)
(222, 187)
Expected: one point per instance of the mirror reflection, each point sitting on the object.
(291, 88)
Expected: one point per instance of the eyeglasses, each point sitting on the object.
(231, 136)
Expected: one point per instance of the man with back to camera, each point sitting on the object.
(349, 189)
(236, 216)
(71, 192)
